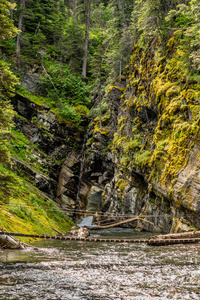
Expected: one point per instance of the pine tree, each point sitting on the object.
(7, 29)
(186, 18)
(7, 81)
(148, 19)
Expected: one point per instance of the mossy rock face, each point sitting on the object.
(28, 210)
(39, 145)
(157, 130)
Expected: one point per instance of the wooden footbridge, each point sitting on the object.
(159, 240)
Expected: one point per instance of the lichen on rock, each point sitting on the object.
(155, 141)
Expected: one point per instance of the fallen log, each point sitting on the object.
(115, 224)
(56, 230)
(166, 242)
(182, 235)
(8, 242)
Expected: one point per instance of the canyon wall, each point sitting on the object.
(140, 156)
(150, 140)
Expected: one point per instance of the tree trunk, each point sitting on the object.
(75, 10)
(120, 70)
(84, 67)
(21, 12)
(182, 235)
(9, 242)
(122, 4)
(114, 225)
(11, 10)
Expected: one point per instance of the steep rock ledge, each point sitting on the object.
(150, 136)
(51, 144)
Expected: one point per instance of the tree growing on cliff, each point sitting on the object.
(186, 18)
(148, 20)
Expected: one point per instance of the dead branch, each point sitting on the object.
(119, 223)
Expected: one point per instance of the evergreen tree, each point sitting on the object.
(7, 29)
(148, 20)
(118, 36)
(7, 82)
(186, 18)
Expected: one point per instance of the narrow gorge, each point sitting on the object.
(100, 114)
(141, 158)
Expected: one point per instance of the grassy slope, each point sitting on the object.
(29, 211)
(23, 208)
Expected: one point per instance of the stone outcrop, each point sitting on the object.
(51, 144)
(30, 80)
(68, 181)
(150, 140)
(42, 182)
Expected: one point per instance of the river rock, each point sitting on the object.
(81, 232)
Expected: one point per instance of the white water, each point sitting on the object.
(83, 270)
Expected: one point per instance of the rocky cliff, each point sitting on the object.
(52, 153)
(145, 158)
(139, 157)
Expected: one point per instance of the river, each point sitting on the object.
(88, 270)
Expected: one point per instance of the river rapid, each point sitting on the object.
(89, 270)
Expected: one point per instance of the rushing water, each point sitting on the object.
(86, 270)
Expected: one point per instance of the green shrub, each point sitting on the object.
(68, 87)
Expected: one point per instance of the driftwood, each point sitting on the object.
(182, 235)
(175, 238)
(8, 242)
(115, 225)
(165, 242)
(74, 238)
(183, 238)
(56, 230)
(81, 232)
